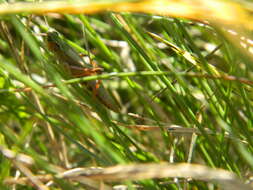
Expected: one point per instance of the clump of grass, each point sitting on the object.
(183, 88)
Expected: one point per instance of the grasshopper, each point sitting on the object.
(77, 67)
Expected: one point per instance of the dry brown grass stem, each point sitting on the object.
(215, 11)
(148, 171)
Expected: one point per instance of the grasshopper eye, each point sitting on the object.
(52, 36)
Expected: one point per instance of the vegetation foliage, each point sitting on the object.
(177, 90)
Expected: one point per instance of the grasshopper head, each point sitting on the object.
(64, 52)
